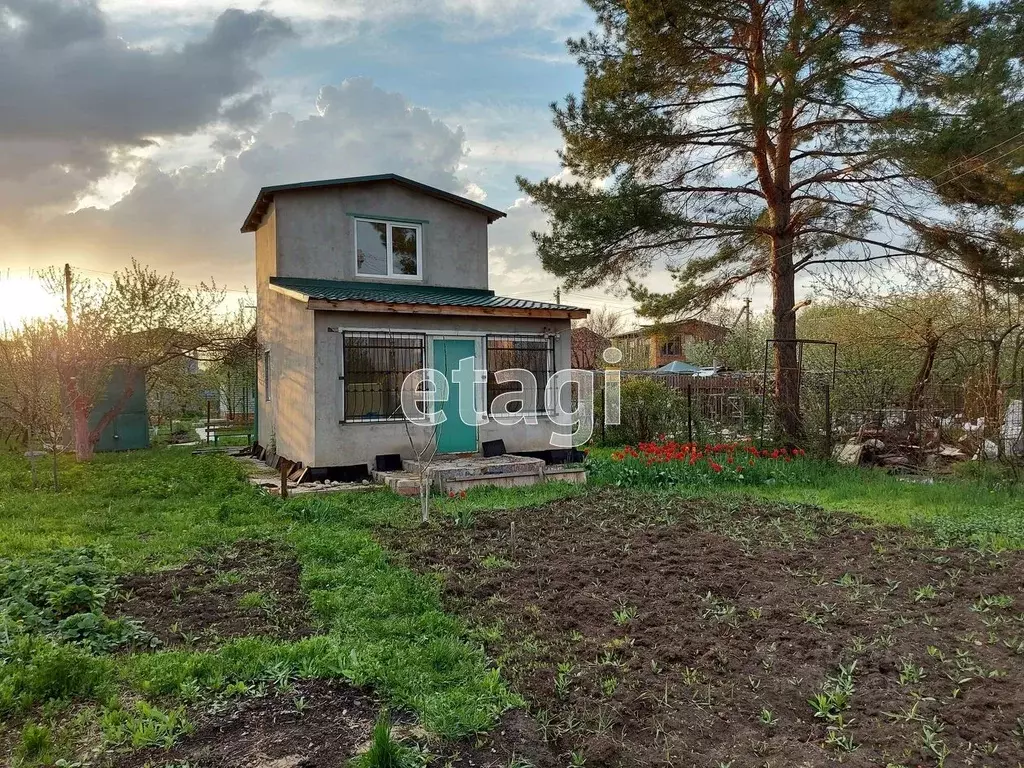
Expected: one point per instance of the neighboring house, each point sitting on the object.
(647, 348)
(236, 377)
(587, 347)
(361, 281)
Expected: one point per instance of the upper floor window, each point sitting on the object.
(388, 249)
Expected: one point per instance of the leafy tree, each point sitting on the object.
(758, 139)
(925, 325)
(742, 349)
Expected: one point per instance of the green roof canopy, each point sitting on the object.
(341, 292)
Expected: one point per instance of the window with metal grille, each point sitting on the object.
(532, 353)
(376, 364)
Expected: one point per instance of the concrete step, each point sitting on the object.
(462, 468)
(463, 473)
(550, 475)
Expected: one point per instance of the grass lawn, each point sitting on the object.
(161, 611)
(375, 623)
(973, 507)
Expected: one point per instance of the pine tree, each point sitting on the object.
(761, 139)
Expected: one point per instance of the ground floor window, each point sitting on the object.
(532, 353)
(375, 365)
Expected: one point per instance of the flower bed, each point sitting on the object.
(664, 463)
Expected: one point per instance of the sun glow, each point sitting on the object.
(24, 298)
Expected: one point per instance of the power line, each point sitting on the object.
(978, 155)
(983, 165)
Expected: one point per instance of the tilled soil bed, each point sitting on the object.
(316, 724)
(646, 630)
(250, 588)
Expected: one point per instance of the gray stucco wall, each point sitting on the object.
(284, 328)
(343, 444)
(316, 233)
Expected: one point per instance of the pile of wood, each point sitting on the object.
(900, 450)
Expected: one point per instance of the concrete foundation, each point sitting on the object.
(463, 473)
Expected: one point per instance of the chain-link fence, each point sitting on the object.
(852, 415)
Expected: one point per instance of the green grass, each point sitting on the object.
(954, 510)
(383, 625)
(975, 506)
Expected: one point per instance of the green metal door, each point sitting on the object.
(454, 435)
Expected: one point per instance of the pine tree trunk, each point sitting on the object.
(787, 365)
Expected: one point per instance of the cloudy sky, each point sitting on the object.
(144, 128)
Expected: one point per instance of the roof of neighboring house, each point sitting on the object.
(266, 195)
(587, 335)
(391, 297)
(691, 323)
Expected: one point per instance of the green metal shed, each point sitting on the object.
(129, 431)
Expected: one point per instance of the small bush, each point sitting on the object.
(62, 596)
(649, 409)
(36, 745)
(33, 670)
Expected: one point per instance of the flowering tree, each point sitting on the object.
(30, 392)
(140, 321)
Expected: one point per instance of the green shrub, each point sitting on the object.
(34, 670)
(36, 745)
(62, 596)
(648, 409)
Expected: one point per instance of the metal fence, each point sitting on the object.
(842, 408)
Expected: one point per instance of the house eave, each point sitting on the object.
(434, 309)
(419, 308)
(266, 196)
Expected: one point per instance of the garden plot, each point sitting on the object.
(248, 589)
(651, 630)
(307, 724)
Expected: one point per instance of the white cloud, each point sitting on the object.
(186, 219)
(77, 97)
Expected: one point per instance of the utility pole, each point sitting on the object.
(750, 342)
(67, 295)
(558, 295)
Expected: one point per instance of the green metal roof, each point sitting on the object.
(252, 221)
(392, 293)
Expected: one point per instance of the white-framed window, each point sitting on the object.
(389, 249)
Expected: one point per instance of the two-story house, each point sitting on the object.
(361, 281)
